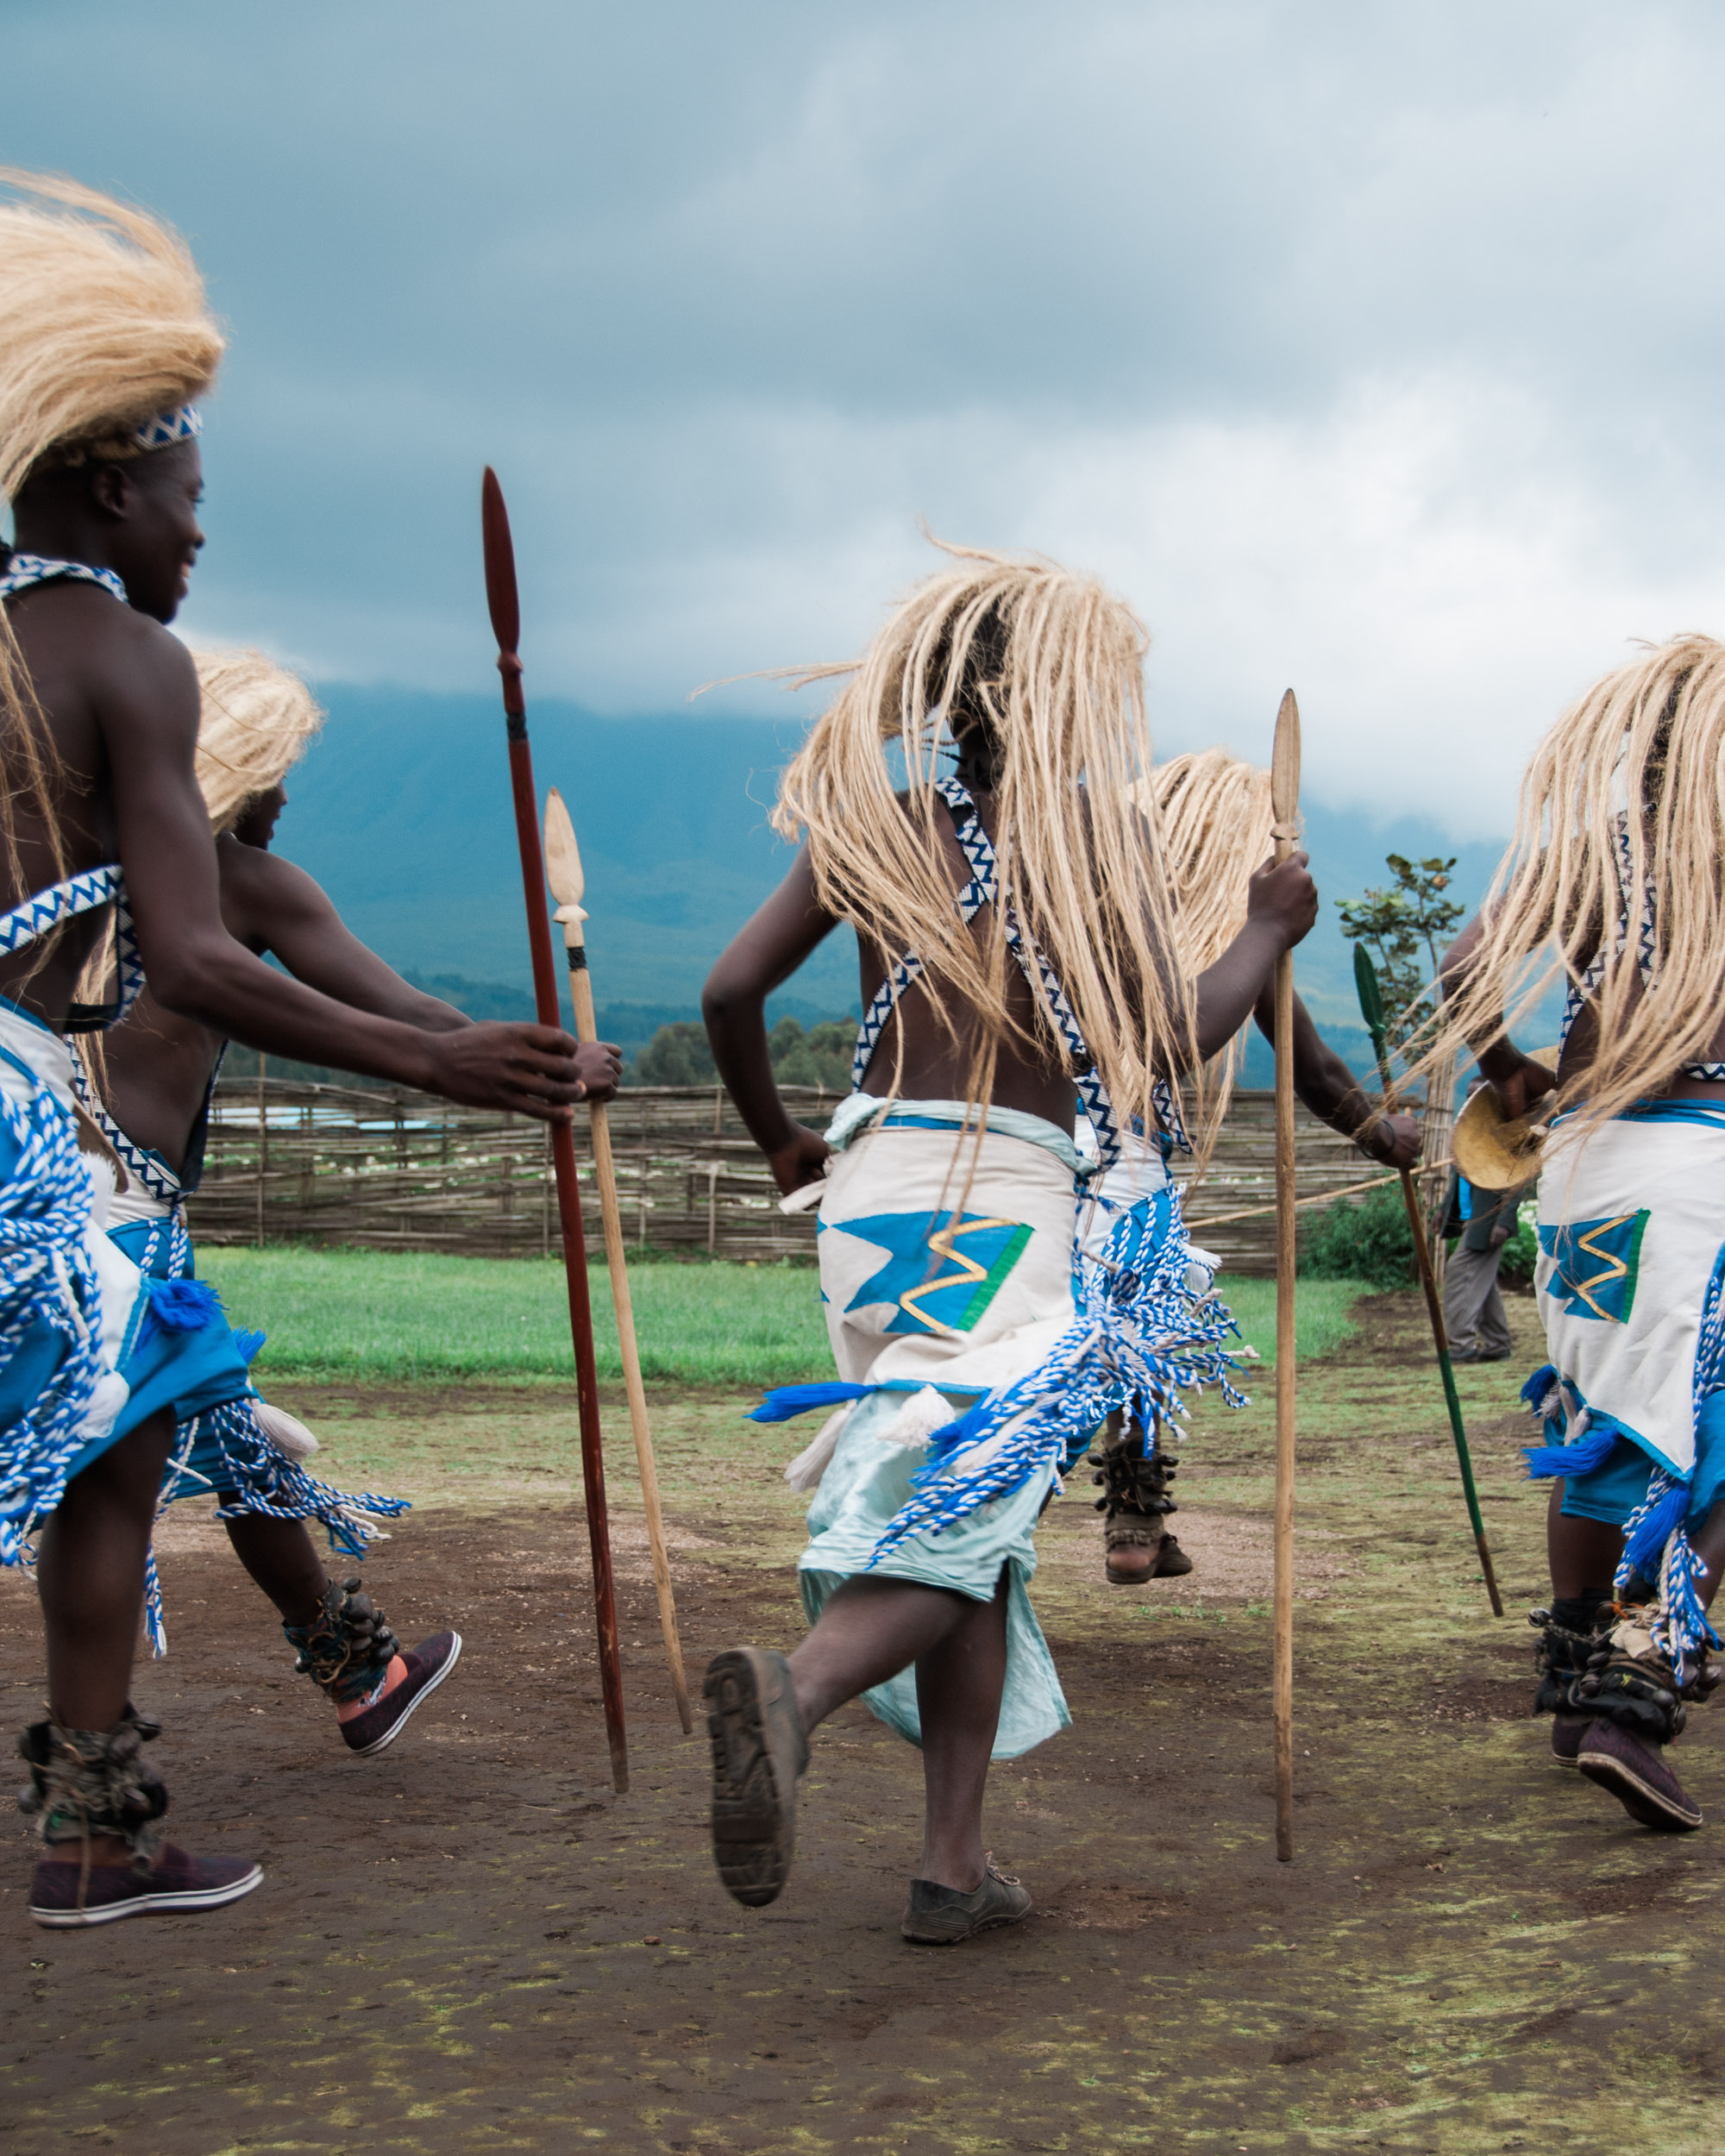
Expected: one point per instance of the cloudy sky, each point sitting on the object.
(1369, 347)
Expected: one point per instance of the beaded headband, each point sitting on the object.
(169, 426)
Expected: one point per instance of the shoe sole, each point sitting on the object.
(958, 1939)
(383, 1743)
(753, 1818)
(149, 1905)
(1642, 1802)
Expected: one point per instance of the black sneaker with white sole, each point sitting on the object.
(383, 1721)
(64, 1897)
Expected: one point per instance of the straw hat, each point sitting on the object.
(1490, 1149)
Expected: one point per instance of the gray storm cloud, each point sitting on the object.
(1373, 349)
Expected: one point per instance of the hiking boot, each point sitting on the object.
(1638, 1777)
(424, 1669)
(108, 1891)
(942, 1916)
(758, 1751)
(1170, 1562)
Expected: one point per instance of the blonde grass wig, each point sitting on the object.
(1214, 815)
(1621, 819)
(103, 326)
(257, 721)
(1078, 862)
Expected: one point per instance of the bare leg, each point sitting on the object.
(959, 1683)
(1584, 1553)
(283, 1561)
(90, 1575)
(1709, 1543)
(869, 1631)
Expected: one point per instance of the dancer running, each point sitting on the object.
(1014, 920)
(105, 342)
(1613, 882)
(1215, 818)
(148, 1087)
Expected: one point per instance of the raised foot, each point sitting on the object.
(422, 1669)
(64, 1901)
(758, 1751)
(1134, 1564)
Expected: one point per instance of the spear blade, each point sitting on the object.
(562, 855)
(503, 595)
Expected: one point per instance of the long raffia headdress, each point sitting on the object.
(257, 721)
(1078, 860)
(1215, 816)
(106, 340)
(1618, 845)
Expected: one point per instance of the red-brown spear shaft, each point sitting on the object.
(505, 620)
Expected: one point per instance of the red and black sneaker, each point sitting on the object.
(410, 1679)
(174, 1881)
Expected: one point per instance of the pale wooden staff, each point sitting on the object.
(1284, 799)
(564, 872)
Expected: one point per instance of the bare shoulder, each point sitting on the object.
(261, 890)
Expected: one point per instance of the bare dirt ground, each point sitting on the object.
(470, 1944)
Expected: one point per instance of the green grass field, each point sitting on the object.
(364, 1313)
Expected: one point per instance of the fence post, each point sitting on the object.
(711, 1207)
(263, 1143)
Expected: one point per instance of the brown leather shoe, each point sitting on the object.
(759, 1750)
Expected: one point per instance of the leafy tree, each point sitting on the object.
(677, 1055)
(1405, 927)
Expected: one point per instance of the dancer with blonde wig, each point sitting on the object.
(1216, 816)
(1613, 884)
(106, 340)
(1018, 960)
(149, 1090)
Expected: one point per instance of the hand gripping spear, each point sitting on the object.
(563, 861)
(1371, 1010)
(1284, 801)
(506, 621)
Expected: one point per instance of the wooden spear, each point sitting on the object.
(1371, 1010)
(1284, 797)
(563, 863)
(506, 621)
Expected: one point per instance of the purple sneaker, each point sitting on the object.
(383, 1721)
(174, 1881)
(1566, 1735)
(1638, 1777)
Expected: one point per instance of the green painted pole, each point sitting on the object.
(1371, 1010)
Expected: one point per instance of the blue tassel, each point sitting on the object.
(1571, 1460)
(1539, 1384)
(951, 1436)
(179, 1306)
(248, 1344)
(785, 1401)
(1646, 1545)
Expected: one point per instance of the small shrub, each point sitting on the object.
(1366, 1239)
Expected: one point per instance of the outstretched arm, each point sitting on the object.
(1282, 904)
(1335, 1096)
(765, 951)
(274, 907)
(148, 714)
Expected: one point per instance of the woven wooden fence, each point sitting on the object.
(384, 1168)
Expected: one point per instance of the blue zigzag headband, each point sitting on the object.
(169, 426)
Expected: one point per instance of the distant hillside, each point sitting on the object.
(402, 811)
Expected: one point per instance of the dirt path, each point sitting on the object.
(469, 1944)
